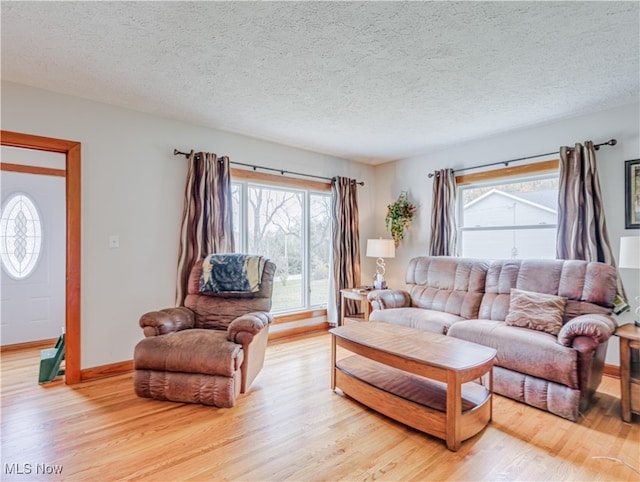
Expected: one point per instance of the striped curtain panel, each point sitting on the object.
(443, 214)
(207, 221)
(582, 229)
(346, 245)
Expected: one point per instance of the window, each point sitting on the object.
(292, 227)
(505, 219)
(20, 236)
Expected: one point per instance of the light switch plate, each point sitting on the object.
(114, 241)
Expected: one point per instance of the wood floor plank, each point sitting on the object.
(289, 426)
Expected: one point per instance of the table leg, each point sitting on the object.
(491, 393)
(625, 375)
(454, 411)
(333, 361)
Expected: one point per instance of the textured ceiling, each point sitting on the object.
(369, 81)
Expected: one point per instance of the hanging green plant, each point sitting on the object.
(399, 215)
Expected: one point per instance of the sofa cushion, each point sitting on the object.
(450, 284)
(215, 390)
(207, 352)
(553, 397)
(523, 350)
(422, 319)
(537, 311)
(503, 275)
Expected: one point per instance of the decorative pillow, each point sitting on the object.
(231, 272)
(537, 311)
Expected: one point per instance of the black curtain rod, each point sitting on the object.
(611, 142)
(176, 152)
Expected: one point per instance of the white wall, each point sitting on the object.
(621, 123)
(132, 186)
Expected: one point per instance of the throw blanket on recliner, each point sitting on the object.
(231, 272)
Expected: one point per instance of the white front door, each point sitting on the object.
(33, 301)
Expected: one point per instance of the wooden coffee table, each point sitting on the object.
(424, 380)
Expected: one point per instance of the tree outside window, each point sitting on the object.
(292, 228)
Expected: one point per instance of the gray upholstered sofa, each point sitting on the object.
(558, 369)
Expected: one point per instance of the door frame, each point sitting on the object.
(72, 152)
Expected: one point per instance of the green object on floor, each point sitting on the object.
(50, 360)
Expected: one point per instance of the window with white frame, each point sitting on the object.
(509, 219)
(292, 227)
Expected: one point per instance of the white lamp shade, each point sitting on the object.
(381, 248)
(629, 252)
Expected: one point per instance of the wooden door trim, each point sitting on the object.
(44, 171)
(72, 152)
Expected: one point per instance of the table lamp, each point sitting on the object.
(630, 259)
(380, 248)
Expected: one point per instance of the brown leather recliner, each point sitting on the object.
(207, 351)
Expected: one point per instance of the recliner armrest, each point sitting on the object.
(598, 327)
(166, 321)
(243, 328)
(385, 299)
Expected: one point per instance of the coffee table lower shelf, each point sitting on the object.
(415, 401)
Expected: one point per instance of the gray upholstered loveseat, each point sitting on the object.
(471, 299)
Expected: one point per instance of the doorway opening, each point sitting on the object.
(72, 173)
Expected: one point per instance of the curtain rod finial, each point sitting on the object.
(612, 142)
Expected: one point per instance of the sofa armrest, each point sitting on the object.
(385, 299)
(243, 328)
(598, 327)
(167, 321)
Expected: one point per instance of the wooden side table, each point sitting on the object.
(365, 306)
(629, 370)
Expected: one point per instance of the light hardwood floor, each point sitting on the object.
(290, 426)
